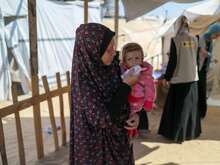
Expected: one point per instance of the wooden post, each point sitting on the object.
(21, 151)
(163, 50)
(69, 85)
(2, 144)
(26, 103)
(34, 75)
(152, 61)
(62, 118)
(86, 11)
(116, 21)
(51, 112)
(158, 61)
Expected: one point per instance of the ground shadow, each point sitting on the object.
(60, 157)
(155, 138)
(170, 163)
(143, 163)
(141, 150)
(210, 125)
(27, 125)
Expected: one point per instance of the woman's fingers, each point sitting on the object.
(132, 122)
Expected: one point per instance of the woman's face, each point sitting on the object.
(133, 58)
(109, 54)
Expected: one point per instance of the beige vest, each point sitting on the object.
(186, 67)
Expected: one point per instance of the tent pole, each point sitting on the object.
(34, 75)
(163, 50)
(85, 11)
(116, 20)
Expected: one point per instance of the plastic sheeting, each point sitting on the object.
(56, 25)
(200, 16)
(14, 7)
(5, 82)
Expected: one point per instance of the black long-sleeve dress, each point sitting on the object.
(202, 83)
(180, 120)
(202, 89)
(109, 145)
(144, 122)
(99, 102)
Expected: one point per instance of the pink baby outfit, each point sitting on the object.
(143, 93)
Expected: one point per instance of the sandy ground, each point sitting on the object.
(28, 131)
(152, 150)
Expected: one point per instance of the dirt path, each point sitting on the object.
(152, 150)
(155, 150)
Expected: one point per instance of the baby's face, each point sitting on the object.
(133, 58)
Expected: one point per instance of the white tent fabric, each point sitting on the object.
(210, 7)
(5, 82)
(108, 9)
(198, 17)
(169, 10)
(14, 8)
(202, 15)
(56, 25)
(142, 32)
(15, 33)
(134, 9)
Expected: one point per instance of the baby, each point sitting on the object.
(143, 92)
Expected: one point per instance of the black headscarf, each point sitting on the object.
(93, 83)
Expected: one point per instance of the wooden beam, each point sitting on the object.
(62, 117)
(51, 113)
(32, 19)
(86, 11)
(116, 20)
(2, 145)
(21, 105)
(20, 140)
(163, 50)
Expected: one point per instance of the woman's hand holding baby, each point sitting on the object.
(132, 122)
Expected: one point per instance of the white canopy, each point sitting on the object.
(134, 9)
(200, 16)
(56, 25)
(203, 14)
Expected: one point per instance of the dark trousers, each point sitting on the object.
(202, 83)
(143, 120)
